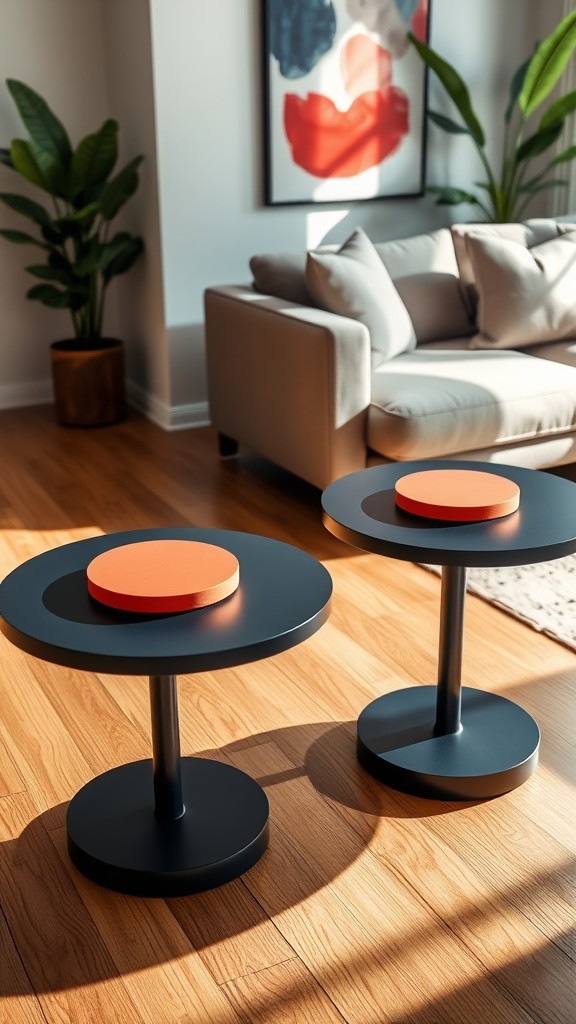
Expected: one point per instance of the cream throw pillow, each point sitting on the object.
(525, 296)
(355, 283)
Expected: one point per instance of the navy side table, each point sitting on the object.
(448, 741)
(171, 825)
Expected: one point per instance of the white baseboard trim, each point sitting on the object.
(34, 392)
(169, 417)
(177, 417)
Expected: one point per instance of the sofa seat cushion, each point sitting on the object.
(442, 399)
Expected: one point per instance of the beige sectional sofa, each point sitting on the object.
(458, 343)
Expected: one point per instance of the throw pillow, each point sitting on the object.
(525, 296)
(527, 233)
(354, 282)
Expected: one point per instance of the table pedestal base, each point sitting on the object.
(495, 750)
(115, 838)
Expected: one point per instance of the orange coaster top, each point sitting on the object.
(163, 576)
(460, 495)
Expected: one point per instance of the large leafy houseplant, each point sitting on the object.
(79, 254)
(504, 195)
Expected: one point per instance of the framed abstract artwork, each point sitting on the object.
(344, 99)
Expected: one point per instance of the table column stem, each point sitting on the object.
(449, 698)
(169, 803)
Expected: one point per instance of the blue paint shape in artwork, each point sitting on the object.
(406, 8)
(299, 33)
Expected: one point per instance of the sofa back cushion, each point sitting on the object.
(281, 274)
(525, 295)
(354, 282)
(424, 270)
(419, 254)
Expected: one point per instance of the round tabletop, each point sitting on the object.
(46, 610)
(361, 509)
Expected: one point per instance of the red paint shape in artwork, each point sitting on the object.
(366, 67)
(419, 21)
(332, 143)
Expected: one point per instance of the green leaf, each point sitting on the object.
(74, 225)
(565, 156)
(95, 157)
(515, 88)
(454, 86)
(547, 65)
(52, 235)
(48, 273)
(533, 187)
(125, 256)
(538, 143)
(446, 124)
(54, 174)
(90, 258)
(24, 161)
(43, 126)
(558, 111)
(26, 207)
(21, 238)
(50, 296)
(451, 196)
(117, 191)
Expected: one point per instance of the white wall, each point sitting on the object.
(139, 295)
(184, 79)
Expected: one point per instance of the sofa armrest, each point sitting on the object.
(290, 382)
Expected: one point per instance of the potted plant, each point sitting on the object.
(78, 254)
(504, 195)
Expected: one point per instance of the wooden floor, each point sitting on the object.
(369, 906)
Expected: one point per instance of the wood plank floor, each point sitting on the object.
(370, 907)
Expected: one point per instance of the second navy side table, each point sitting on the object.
(448, 741)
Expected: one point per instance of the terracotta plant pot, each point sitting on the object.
(89, 384)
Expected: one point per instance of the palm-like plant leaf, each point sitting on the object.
(43, 126)
(48, 273)
(454, 86)
(547, 65)
(565, 156)
(94, 158)
(538, 143)
(558, 111)
(451, 196)
(447, 124)
(127, 253)
(119, 189)
(515, 88)
(51, 296)
(21, 238)
(27, 207)
(24, 161)
(532, 187)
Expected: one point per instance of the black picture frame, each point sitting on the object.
(344, 100)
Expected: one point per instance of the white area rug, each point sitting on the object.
(543, 595)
